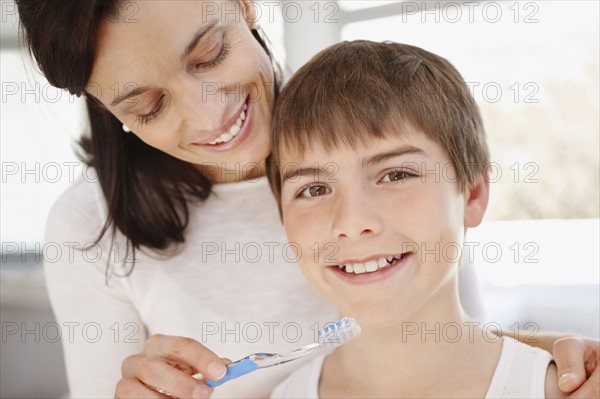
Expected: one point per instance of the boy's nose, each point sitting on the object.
(356, 217)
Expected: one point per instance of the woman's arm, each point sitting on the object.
(568, 353)
(576, 358)
(99, 325)
(107, 349)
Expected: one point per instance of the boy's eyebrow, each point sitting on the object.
(381, 157)
(291, 173)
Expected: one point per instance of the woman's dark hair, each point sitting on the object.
(147, 191)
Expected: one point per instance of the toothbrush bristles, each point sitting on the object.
(338, 333)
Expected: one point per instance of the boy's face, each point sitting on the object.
(392, 211)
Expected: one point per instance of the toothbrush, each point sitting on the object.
(330, 337)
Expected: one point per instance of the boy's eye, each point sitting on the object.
(314, 191)
(395, 175)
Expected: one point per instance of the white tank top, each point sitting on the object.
(520, 373)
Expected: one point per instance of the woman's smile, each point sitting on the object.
(207, 99)
(233, 133)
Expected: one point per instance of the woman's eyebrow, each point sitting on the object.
(189, 48)
(198, 36)
(135, 92)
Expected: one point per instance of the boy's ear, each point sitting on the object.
(476, 201)
(249, 12)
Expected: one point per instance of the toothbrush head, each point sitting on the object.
(338, 333)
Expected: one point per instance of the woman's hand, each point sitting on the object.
(168, 363)
(577, 360)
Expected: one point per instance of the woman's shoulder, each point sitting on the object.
(80, 207)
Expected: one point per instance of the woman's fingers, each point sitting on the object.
(591, 357)
(166, 366)
(157, 373)
(187, 351)
(590, 388)
(131, 387)
(568, 354)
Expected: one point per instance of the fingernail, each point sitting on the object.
(201, 392)
(217, 370)
(566, 377)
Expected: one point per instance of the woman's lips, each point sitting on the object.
(244, 132)
(371, 277)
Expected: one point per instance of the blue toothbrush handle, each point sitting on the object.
(234, 371)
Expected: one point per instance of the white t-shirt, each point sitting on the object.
(520, 373)
(233, 286)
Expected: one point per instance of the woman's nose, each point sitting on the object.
(205, 106)
(356, 216)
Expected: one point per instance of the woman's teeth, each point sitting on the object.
(233, 130)
(370, 266)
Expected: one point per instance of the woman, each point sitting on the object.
(179, 96)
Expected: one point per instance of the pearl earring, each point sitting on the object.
(126, 128)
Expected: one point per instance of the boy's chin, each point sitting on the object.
(370, 316)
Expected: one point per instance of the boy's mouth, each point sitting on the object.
(372, 265)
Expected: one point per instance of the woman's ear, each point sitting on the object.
(250, 13)
(476, 201)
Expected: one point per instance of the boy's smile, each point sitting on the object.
(370, 270)
(376, 223)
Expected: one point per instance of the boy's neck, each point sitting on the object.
(424, 355)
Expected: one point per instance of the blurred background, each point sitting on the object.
(531, 65)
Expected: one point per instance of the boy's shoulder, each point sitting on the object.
(551, 386)
(524, 372)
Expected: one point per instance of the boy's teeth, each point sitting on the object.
(233, 130)
(359, 268)
(370, 266)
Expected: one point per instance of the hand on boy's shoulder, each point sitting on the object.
(551, 389)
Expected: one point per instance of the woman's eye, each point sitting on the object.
(146, 118)
(395, 175)
(221, 52)
(314, 191)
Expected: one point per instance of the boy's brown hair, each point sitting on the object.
(355, 91)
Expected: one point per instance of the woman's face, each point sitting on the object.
(188, 78)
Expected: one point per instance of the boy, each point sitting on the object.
(379, 167)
